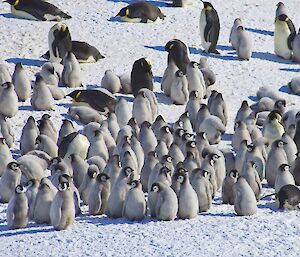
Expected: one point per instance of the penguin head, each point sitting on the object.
(165, 170)
(274, 115)
(146, 124)
(156, 187)
(279, 143)
(167, 158)
(205, 173)
(127, 171)
(280, 103)
(166, 129)
(207, 6)
(244, 105)
(39, 79)
(31, 183)
(63, 186)
(152, 154)
(124, 12)
(20, 189)
(93, 170)
(116, 159)
(187, 136)
(14, 166)
(191, 144)
(179, 123)
(250, 148)
(194, 65)
(179, 74)
(56, 160)
(185, 115)
(244, 143)
(38, 140)
(134, 184)
(190, 155)
(201, 135)
(284, 167)
(132, 122)
(194, 94)
(279, 4)
(159, 118)
(75, 95)
(252, 164)
(143, 64)
(179, 132)
(181, 175)
(283, 18)
(7, 85)
(2, 141)
(12, 2)
(18, 66)
(65, 178)
(45, 183)
(240, 28)
(46, 116)
(102, 177)
(297, 155)
(233, 174)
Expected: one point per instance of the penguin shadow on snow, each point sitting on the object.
(253, 98)
(289, 69)
(192, 50)
(270, 57)
(261, 31)
(227, 137)
(8, 15)
(284, 89)
(162, 98)
(32, 228)
(26, 61)
(227, 57)
(224, 215)
(25, 108)
(156, 3)
(66, 105)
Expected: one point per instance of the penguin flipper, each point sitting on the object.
(46, 55)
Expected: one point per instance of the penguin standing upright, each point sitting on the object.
(283, 36)
(141, 75)
(21, 82)
(209, 28)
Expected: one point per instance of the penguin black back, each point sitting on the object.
(63, 147)
(141, 75)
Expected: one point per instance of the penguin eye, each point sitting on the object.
(133, 185)
(280, 144)
(20, 189)
(180, 179)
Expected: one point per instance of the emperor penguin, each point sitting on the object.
(88, 182)
(281, 9)
(188, 205)
(276, 157)
(80, 168)
(114, 169)
(147, 137)
(166, 207)
(50, 74)
(241, 133)
(202, 186)
(99, 194)
(166, 135)
(135, 127)
(273, 128)
(209, 28)
(296, 47)
(98, 146)
(134, 207)
(9, 180)
(8, 100)
(71, 75)
(290, 149)
(294, 86)
(176, 154)
(113, 125)
(17, 209)
(193, 106)
(244, 46)
(118, 193)
(21, 82)
(268, 92)
(283, 36)
(123, 112)
(111, 82)
(233, 38)
(41, 98)
(179, 92)
(4, 73)
(84, 114)
(141, 12)
(244, 200)
(251, 175)
(158, 124)
(62, 211)
(243, 112)
(217, 107)
(284, 177)
(6, 131)
(228, 187)
(141, 75)
(66, 129)
(168, 77)
(295, 169)
(150, 162)
(141, 110)
(289, 197)
(43, 200)
(37, 10)
(46, 127)
(195, 79)
(46, 144)
(32, 187)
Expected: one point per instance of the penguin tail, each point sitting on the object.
(99, 56)
(65, 16)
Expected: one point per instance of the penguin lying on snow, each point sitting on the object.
(36, 10)
(141, 12)
(101, 100)
(60, 42)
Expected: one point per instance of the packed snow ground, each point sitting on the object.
(215, 233)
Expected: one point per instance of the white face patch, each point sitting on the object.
(155, 189)
(180, 179)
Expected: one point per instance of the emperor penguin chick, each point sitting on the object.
(241, 133)
(284, 177)
(66, 129)
(21, 82)
(193, 106)
(17, 209)
(43, 200)
(4, 73)
(118, 193)
(134, 207)
(123, 112)
(228, 187)
(233, 38)
(202, 186)
(46, 127)
(188, 206)
(167, 204)
(8, 100)
(62, 211)
(99, 194)
(243, 112)
(179, 92)
(244, 46)
(244, 200)
(168, 77)
(150, 162)
(46, 144)
(5, 155)
(41, 98)
(147, 138)
(217, 107)
(9, 180)
(251, 175)
(195, 79)
(111, 82)
(6, 131)
(29, 134)
(141, 110)
(273, 129)
(88, 181)
(71, 75)
(32, 187)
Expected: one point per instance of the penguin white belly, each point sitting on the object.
(204, 44)
(281, 42)
(21, 14)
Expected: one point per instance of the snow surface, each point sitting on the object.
(218, 232)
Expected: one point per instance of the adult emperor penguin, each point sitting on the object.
(9, 180)
(141, 12)
(166, 207)
(21, 82)
(134, 207)
(283, 36)
(17, 209)
(209, 28)
(141, 75)
(244, 200)
(62, 211)
(99, 194)
(36, 10)
(188, 206)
